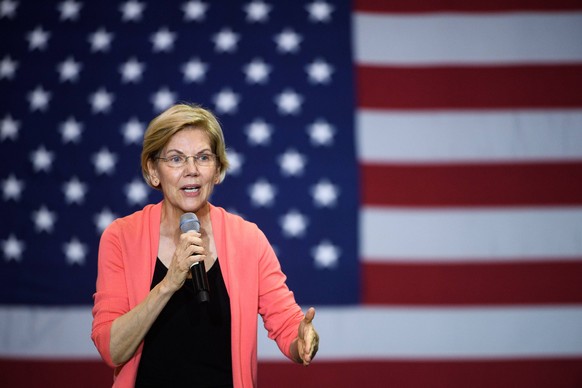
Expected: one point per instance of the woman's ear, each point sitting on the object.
(153, 174)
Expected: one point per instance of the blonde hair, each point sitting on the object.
(175, 119)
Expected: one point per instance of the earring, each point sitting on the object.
(155, 181)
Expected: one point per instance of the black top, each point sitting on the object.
(189, 343)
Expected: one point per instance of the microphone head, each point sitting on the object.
(189, 221)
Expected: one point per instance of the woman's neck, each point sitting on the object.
(170, 221)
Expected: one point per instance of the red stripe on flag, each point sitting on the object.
(55, 373)
(394, 6)
(472, 283)
(451, 87)
(491, 184)
(435, 374)
(534, 373)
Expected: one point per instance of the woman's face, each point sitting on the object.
(186, 188)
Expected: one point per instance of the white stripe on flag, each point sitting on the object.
(470, 234)
(440, 333)
(46, 332)
(465, 38)
(420, 137)
(346, 333)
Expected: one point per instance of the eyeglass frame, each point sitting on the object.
(213, 159)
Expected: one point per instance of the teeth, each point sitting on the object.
(191, 189)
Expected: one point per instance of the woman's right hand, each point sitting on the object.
(189, 250)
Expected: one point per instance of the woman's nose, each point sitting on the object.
(191, 167)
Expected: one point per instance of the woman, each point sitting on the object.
(147, 323)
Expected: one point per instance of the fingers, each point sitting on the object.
(189, 250)
(311, 341)
(190, 239)
(310, 349)
(309, 315)
(310, 337)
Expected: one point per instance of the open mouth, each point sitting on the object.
(191, 188)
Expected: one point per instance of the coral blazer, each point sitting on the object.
(255, 283)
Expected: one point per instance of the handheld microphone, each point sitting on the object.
(189, 221)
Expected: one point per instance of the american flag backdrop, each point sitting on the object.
(416, 165)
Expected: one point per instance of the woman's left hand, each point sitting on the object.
(308, 339)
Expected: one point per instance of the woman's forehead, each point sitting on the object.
(190, 137)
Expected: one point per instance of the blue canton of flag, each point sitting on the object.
(81, 80)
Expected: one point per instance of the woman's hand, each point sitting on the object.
(307, 338)
(188, 251)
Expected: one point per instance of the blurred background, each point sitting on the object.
(417, 166)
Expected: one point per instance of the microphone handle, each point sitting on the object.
(200, 281)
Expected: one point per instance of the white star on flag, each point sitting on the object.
(326, 255)
(100, 40)
(194, 70)
(38, 39)
(292, 163)
(226, 101)
(259, 132)
(69, 70)
(12, 248)
(101, 101)
(12, 188)
(103, 219)
(324, 193)
(163, 40)
(42, 159)
(75, 191)
(131, 10)
(104, 162)
(131, 71)
(133, 131)
(288, 41)
(44, 219)
(321, 133)
(75, 251)
(225, 41)
(289, 102)
(319, 72)
(163, 99)
(257, 11)
(69, 10)
(136, 192)
(293, 224)
(236, 160)
(257, 71)
(71, 130)
(39, 99)
(9, 128)
(319, 11)
(8, 68)
(194, 10)
(262, 193)
(8, 9)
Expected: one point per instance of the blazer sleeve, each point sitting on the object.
(111, 297)
(280, 312)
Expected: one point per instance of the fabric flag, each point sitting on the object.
(416, 165)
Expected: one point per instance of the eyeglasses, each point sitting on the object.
(179, 160)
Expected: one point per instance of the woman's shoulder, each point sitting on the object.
(227, 219)
(130, 221)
